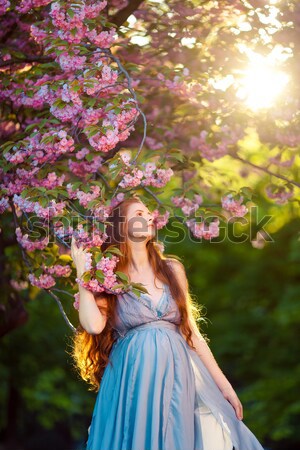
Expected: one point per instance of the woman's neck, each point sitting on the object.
(140, 259)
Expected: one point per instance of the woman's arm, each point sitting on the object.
(91, 317)
(204, 351)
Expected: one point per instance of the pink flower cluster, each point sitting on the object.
(82, 168)
(4, 5)
(108, 77)
(82, 153)
(70, 63)
(104, 39)
(107, 266)
(229, 203)
(30, 245)
(73, 104)
(201, 230)
(3, 204)
(77, 299)
(177, 85)
(120, 124)
(277, 160)
(149, 176)
(18, 285)
(27, 5)
(39, 151)
(280, 194)
(102, 212)
(207, 150)
(160, 220)
(132, 179)
(93, 239)
(50, 182)
(54, 209)
(187, 206)
(65, 22)
(58, 270)
(83, 197)
(61, 231)
(210, 151)
(44, 281)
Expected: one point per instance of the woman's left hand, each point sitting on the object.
(230, 395)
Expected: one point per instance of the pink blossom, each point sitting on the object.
(280, 194)
(5, 4)
(104, 39)
(277, 160)
(117, 199)
(30, 245)
(160, 220)
(81, 169)
(153, 144)
(201, 230)
(132, 180)
(160, 179)
(44, 281)
(4, 205)
(81, 153)
(19, 285)
(77, 300)
(234, 206)
(58, 270)
(54, 209)
(93, 239)
(92, 11)
(88, 261)
(187, 206)
(70, 63)
(106, 142)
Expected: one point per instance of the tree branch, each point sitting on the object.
(264, 169)
(121, 16)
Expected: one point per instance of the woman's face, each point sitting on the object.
(140, 222)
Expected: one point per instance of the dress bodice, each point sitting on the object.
(132, 311)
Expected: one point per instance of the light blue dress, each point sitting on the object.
(158, 394)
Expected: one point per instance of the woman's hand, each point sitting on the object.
(230, 395)
(78, 256)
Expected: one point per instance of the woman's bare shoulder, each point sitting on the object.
(175, 264)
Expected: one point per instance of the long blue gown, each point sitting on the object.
(157, 394)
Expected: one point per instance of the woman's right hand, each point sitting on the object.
(78, 256)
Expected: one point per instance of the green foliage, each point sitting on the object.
(35, 363)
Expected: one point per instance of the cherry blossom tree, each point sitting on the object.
(103, 99)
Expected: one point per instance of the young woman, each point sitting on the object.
(159, 386)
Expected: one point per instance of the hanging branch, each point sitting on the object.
(61, 309)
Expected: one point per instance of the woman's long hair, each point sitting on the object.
(90, 352)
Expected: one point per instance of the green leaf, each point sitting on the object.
(65, 258)
(117, 286)
(86, 276)
(100, 276)
(122, 275)
(71, 13)
(113, 249)
(89, 157)
(138, 287)
(7, 146)
(98, 256)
